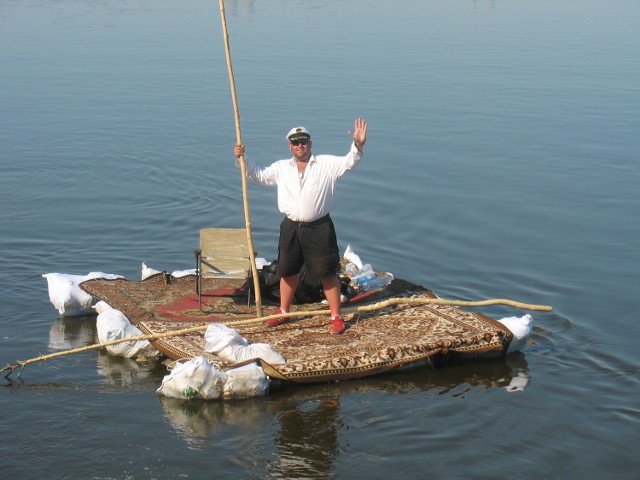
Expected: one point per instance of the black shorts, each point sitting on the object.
(313, 243)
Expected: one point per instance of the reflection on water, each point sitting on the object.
(309, 416)
(195, 420)
(308, 438)
(126, 372)
(520, 377)
(72, 332)
(68, 333)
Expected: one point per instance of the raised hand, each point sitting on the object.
(359, 133)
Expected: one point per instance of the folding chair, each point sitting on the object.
(223, 253)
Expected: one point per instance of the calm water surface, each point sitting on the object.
(502, 161)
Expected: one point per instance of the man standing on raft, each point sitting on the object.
(306, 186)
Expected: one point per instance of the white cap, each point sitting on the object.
(299, 130)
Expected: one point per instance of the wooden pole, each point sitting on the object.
(307, 313)
(243, 169)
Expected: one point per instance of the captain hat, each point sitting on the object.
(298, 131)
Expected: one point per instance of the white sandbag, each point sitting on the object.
(246, 381)
(67, 297)
(183, 273)
(147, 271)
(102, 307)
(229, 345)
(521, 328)
(219, 337)
(114, 325)
(196, 378)
(254, 351)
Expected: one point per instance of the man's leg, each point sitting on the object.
(331, 286)
(287, 291)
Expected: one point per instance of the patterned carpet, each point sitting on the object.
(374, 342)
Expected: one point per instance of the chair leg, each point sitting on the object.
(198, 255)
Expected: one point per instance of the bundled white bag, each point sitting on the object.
(196, 378)
(521, 328)
(243, 353)
(246, 381)
(219, 337)
(229, 345)
(67, 297)
(148, 271)
(113, 325)
(183, 273)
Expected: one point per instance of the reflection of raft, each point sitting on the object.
(374, 342)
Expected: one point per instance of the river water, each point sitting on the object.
(502, 161)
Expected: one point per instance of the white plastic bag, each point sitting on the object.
(219, 337)
(521, 328)
(246, 381)
(229, 345)
(351, 256)
(253, 351)
(114, 325)
(183, 273)
(67, 297)
(196, 378)
(146, 272)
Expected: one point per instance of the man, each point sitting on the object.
(306, 187)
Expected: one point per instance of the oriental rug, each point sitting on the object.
(374, 342)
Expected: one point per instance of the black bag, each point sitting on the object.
(308, 291)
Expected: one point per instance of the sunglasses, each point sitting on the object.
(299, 141)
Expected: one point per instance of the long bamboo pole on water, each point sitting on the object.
(308, 313)
(243, 170)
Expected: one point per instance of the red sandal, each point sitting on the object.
(274, 322)
(337, 325)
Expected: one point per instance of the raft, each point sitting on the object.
(396, 337)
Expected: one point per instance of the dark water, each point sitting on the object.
(502, 161)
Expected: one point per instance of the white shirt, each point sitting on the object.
(310, 196)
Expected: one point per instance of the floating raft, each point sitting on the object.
(375, 341)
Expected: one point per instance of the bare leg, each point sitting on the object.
(287, 291)
(331, 286)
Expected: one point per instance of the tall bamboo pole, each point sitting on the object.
(243, 169)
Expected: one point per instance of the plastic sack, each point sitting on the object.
(148, 272)
(196, 378)
(229, 345)
(114, 325)
(246, 381)
(243, 353)
(521, 328)
(183, 273)
(67, 297)
(350, 256)
(219, 337)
